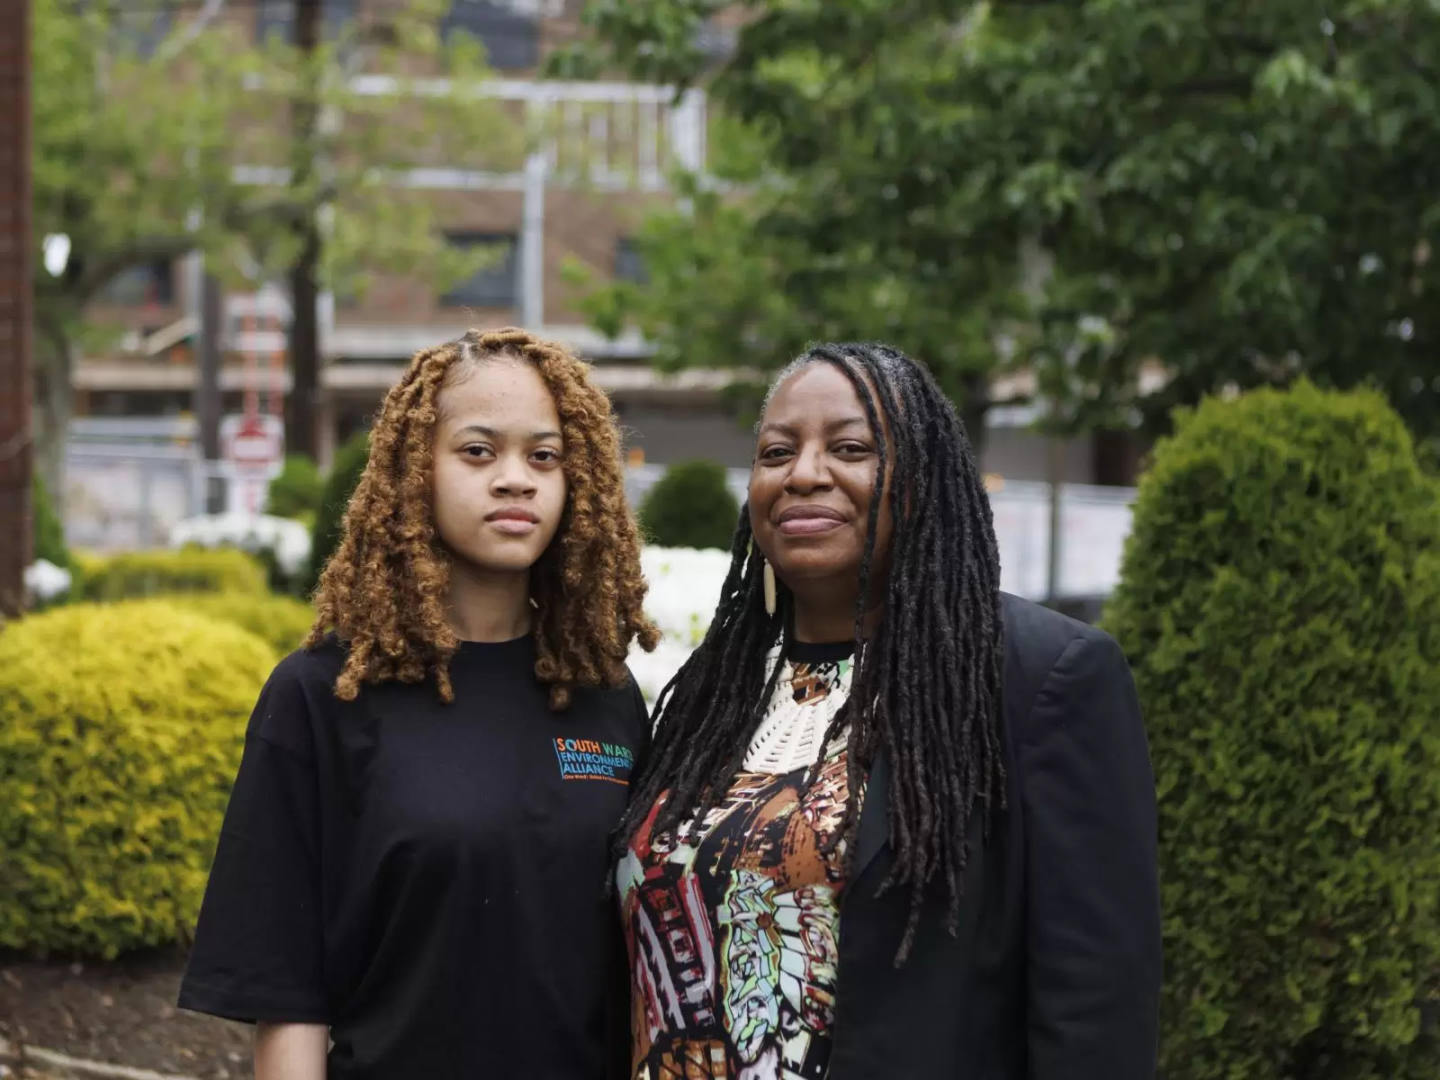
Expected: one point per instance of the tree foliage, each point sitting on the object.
(821, 216)
(1246, 193)
(47, 529)
(147, 149)
(1280, 604)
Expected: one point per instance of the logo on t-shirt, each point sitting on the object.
(587, 759)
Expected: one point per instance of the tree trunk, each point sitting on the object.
(209, 403)
(303, 405)
(54, 402)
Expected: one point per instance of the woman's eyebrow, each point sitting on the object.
(493, 433)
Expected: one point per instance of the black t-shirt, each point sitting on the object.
(426, 879)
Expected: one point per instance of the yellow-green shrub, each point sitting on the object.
(121, 727)
(282, 621)
(189, 570)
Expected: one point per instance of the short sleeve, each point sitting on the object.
(258, 950)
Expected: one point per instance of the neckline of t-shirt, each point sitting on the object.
(497, 648)
(818, 652)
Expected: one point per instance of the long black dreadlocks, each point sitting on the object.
(926, 687)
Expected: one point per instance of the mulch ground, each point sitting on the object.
(122, 1013)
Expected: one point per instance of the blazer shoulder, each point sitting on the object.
(1036, 637)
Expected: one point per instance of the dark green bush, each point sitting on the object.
(1280, 603)
(48, 529)
(330, 515)
(297, 491)
(690, 507)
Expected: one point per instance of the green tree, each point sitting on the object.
(1246, 192)
(1243, 193)
(133, 134)
(1279, 601)
(822, 214)
(346, 212)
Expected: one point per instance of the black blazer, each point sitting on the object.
(1054, 973)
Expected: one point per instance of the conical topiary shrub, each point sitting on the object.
(1280, 605)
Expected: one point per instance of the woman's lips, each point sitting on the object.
(809, 520)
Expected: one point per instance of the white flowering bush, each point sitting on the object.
(285, 541)
(684, 589)
(46, 582)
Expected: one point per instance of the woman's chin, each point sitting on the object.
(818, 566)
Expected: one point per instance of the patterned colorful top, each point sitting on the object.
(734, 934)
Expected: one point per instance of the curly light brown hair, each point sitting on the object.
(383, 592)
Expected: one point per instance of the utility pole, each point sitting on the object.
(208, 406)
(303, 405)
(17, 306)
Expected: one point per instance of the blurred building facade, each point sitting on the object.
(630, 137)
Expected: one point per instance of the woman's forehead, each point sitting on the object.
(818, 388)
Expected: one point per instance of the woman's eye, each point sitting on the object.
(476, 451)
(547, 455)
(774, 453)
(852, 449)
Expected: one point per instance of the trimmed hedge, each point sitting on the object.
(350, 462)
(1280, 604)
(690, 507)
(188, 570)
(296, 492)
(280, 621)
(121, 728)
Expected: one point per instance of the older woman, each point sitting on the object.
(894, 823)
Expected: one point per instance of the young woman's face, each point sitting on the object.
(499, 486)
(813, 481)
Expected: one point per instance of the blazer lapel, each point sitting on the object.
(874, 831)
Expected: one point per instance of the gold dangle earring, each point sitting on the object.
(768, 577)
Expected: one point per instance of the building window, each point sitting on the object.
(277, 17)
(629, 263)
(146, 285)
(511, 40)
(495, 285)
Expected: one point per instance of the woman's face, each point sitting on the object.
(499, 484)
(813, 481)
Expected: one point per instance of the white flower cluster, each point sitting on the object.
(684, 589)
(45, 581)
(289, 540)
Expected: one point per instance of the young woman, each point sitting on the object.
(893, 823)
(410, 878)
